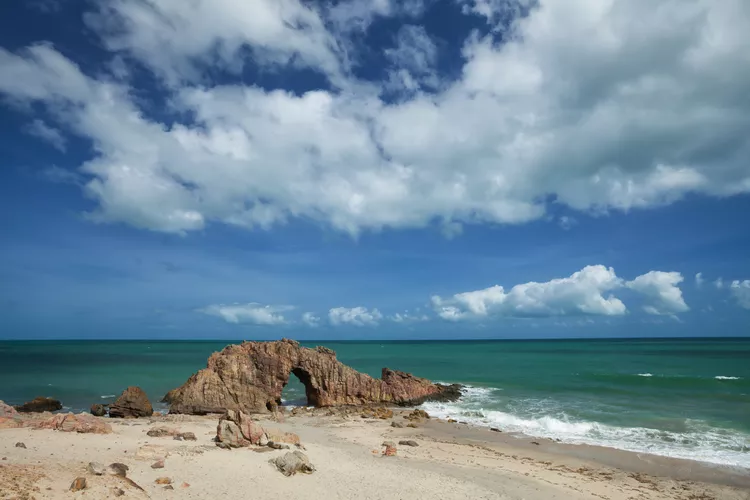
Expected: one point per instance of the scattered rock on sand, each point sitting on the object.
(412, 425)
(169, 487)
(163, 480)
(417, 415)
(118, 492)
(390, 451)
(397, 425)
(278, 446)
(408, 442)
(228, 435)
(292, 463)
(69, 422)
(40, 404)
(388, 443)
(96, 468)
(118, 469)
(185, 485)
(535, 442)
(186, 436)
(162, 431)
(495, 429)
(159, 464)
(377, 412)
(20, 445)
(278, 436)
(132, 403)
(79, 484)
(98, 410)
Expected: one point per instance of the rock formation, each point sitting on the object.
(99, 410)
(39, 405)
(250, 377)
(132, 403)
(69, 422)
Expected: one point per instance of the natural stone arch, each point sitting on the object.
(251, 376)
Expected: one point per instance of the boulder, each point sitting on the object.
(69, 422)
(132, 403)
(118, 469)
(293, 462)
(39, 405)
(228, 435)
(250, 377)
(99, 410)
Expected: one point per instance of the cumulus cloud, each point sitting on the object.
(252, 312)
(597, 105)
(581, 293)
(413, 60)
(740, 290)
(661, 289)
(310, 319)
(357, 316)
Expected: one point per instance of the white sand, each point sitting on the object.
(345, 452)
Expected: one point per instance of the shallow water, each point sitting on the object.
(680, 398)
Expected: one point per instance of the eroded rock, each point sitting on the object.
(69, 422)
(293, 462)
(39, 405)
(250, 377)
(132, 403)
(408, 442)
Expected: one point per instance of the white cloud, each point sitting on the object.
(595, 104)
(39, 129)
(252, 312)
(581, 293)
(719, 283)
(413, 60)
(407, 317)
(740, 290)
(661, 288)
(699, 280)
(357, 316)
(310, 319)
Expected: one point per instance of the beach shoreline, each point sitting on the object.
(451, 460)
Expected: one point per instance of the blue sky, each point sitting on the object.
(379, 169)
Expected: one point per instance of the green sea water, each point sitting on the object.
(681, 398)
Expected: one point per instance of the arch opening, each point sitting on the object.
(298, 390)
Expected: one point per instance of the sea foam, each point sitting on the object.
(722, 377)
(698, 442)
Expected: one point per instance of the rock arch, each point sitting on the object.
(250, 377)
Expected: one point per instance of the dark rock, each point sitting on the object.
(40, 404)
(535, 442)
(118, 492)
(495, 429)
(132, 403)
(278, 446)
(250, 377)
(20, 445)
(169, 487)
(292, 463)
(408, 442)
(79, 484)
(186, 436)
(159, 464)
(99, 410)
(117, 469)
(397, 425)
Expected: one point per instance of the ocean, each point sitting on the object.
(678, 398)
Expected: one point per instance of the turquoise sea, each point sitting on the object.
(679, 398)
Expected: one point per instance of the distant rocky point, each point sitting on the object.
(249, 377)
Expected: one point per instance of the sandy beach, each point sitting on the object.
(451, 460)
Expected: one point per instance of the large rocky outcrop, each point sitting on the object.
(39, 405)
(250, 377)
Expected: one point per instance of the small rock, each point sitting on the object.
(162, 431)
(452, 421)
(388, 443)
(397, 425)
(417, 415)
(185, 485)
(79, 484)
(20, 445)
(186, 436)
(535, 442)
(169, 487)
(412, 425)
(98, 410)
(277, 446)
(159, 464)
(96, 468)
(408, 442)
(117, 469)
(292, 463)
(163, 480)
(495, 429)
(390, 451)
(118, 492)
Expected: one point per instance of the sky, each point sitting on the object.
(374, 169)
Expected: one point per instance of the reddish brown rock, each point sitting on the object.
(79, 484)
(250, 377)
(9, 417)
(69, 422)
(132, 403)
